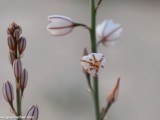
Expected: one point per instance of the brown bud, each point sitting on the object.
(17, 67)
(23, 80)
(21, 45)
(85, 52)
(112, 97)
(11, 43)
(17, 34)
(11, 28)
(32, 113)
(11, 57)
(8, 91)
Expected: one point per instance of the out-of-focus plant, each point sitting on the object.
(17, 45)
(107, 32)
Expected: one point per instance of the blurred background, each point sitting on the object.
(56, 82)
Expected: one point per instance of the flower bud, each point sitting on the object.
(8, 92)
(17, 67)
(85, 53)
(93, 63)
(108, 31)
(32, 113)
(60, 25)
(23, 80)
(21, 45)
(17, 34)
(11, 57)
(11, 28)
(11, 43)
(112, 97)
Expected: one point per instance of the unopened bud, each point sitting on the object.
(11, 28)
(60, 25)
(11, 57)
(17, 34)
(32, 113)
(108, 32)
(8, 92)
(112, 97)
(23, 80)
(11, 43)
(17, 67)
(85, 53)
(21, 45)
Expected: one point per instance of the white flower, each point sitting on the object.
(93, 63)
(59, 25)
(108, 31)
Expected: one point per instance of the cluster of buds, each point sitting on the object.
(17, 45)
(16, 42)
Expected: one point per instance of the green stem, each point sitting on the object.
(96, 97)
(94, 50)
(82, 25)
(93, 26)
(18, 103)
(18, 94)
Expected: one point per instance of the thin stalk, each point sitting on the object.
(94, 50)
(18, 94)
(82, 25)
(18, 103)
(105, 111)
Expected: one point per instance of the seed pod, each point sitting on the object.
(11, 57)
(11, 43)
(17, 67)
(60, 25)
(32, 113)
(8, 91)
(21, 45)
(23, 80)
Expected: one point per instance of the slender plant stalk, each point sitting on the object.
(105, 111)
(18, 94)
(18, 104)
(94, 50)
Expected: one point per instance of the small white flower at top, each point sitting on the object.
(93, 63)
(108, 31)
(59, 25)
